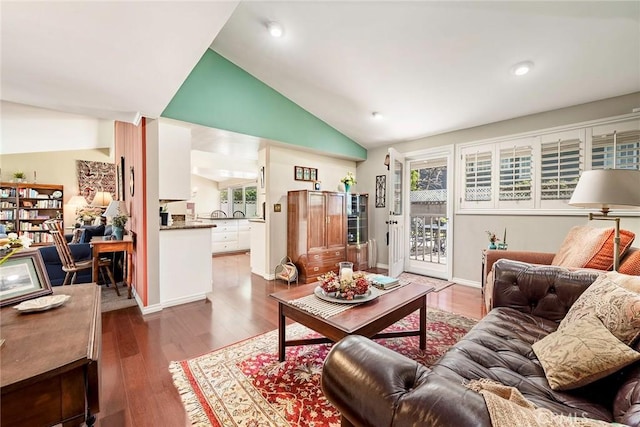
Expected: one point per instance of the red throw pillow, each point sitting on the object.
(590, 247)
(631, 263)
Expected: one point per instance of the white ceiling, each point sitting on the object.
(431, 67)
(428, 67)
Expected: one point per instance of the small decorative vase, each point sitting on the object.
(118, 233)
(492, 245)
(347, 187)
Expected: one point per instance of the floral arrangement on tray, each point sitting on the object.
(12, 244)
(347, 288)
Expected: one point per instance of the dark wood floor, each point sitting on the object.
(137, 389)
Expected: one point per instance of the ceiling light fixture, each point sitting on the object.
(376, 115)
(275, 29)
(522, 68)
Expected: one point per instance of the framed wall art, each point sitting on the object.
(381, 191)
(303, 173)
(23, 277)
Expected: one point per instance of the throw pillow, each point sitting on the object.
(631, 263)
(91, 231)
(581, 353)
(589, 247)
(77, 234)
(613, 305)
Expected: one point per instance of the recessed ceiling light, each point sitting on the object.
(376, 115)
(522, 68)
(275, 29)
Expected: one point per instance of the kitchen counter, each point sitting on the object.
(187, 225)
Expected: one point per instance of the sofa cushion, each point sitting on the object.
(590, 247)
(90, 232)
(499, 348)
(630, 264)
(580, 353)
(616, 307)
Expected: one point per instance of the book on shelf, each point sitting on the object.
(384, 282)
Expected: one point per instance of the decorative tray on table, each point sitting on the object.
(357, 299)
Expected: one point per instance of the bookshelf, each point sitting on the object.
(24, 207)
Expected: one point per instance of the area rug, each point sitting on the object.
(111, 301)
(245, 385)
(438, 284)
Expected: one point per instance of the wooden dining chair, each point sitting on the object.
(69, 265)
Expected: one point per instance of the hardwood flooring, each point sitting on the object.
(137, 389)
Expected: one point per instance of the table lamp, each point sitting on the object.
(116, 208)
(102, 198)
(607, 189)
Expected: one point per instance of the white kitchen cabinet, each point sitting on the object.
(174, 162)
(230, 235)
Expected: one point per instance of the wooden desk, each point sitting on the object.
(105, 244)
(49, 364)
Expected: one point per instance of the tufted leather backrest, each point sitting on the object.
(541, 290)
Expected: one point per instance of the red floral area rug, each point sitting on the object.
(245, 385)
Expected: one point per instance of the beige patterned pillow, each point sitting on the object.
(77, 233)
(607, 300)
(583, 352)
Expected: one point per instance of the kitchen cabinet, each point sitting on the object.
(316, 232)
(174, 162)
(230, 235)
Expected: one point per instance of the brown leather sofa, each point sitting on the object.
(374, 386)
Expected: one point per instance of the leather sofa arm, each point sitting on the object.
(374, 386)
(542, 290)
(491, 256)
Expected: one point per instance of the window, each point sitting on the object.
(244, 199)
(478, 176)
(616, 150)
(561, 162)
(515, 173)
(542, 171)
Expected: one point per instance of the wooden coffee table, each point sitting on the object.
(366, 319)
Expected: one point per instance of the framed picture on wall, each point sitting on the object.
(298, 173)
(307, 174)
(314, 174)
(381, 190)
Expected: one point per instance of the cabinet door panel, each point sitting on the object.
(316, 221)
(336, 227)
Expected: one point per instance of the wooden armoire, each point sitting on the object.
(316, 232)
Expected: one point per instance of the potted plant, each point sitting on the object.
(19, 176)
(118, 222)
(348, 181)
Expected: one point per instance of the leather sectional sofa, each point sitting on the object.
(374, 386)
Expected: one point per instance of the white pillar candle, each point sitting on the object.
(346, 273)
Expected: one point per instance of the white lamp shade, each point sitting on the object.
(607, 189)
(77, 201)
(115, 208)
(102, 198)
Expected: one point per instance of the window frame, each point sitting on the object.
(581, 131)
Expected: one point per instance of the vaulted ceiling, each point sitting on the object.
(427, 67)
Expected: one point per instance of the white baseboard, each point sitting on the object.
(183, 300)
(465, 282)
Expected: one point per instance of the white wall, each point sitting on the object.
(207, 195)
(28, 129)
(525, 232)
(49, 143)
(280, 170)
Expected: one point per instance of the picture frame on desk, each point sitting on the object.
(23, 277)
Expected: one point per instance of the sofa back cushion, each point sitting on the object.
(91, 231)
(590, 247)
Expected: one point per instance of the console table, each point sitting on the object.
(49, 363)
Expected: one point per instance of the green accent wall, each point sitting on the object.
(221, 95)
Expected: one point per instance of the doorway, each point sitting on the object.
(429, 225)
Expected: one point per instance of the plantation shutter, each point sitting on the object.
(477, 176)
(560, 165)
(515, 173)
(616, 150)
